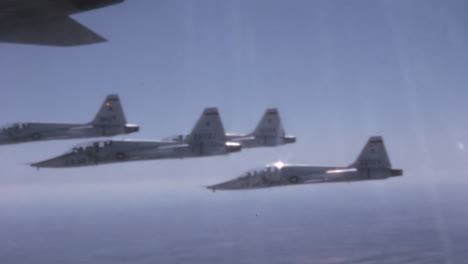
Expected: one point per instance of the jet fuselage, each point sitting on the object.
(372, 163)
(105, 152)
(25, 132)
(285, 175)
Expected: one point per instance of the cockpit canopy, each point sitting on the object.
(90, 146)
(264, 171)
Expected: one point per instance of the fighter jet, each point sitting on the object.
(47, 22)
(109, 121)
(206, 139)
(268, 133)
(372, 164)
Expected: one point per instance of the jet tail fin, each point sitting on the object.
(208, 129)
(111, 112)
(60, 31)
(373, 155)
(270, 125)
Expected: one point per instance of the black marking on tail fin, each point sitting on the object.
(272, 111)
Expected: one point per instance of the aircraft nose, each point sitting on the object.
(51, 163)
(221, 186)
(236, 184)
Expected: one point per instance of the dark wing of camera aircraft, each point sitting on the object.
(372, 164)
(268, 133)
(206, 139)
(109, 121)
(47, 22)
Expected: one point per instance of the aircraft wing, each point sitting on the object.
(59, 31)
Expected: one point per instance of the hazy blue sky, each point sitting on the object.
(339, 72)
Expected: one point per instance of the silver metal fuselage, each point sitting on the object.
(251, 141)
(105, 152)
(20, 133)
(294, 174)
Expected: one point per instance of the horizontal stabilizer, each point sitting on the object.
(60, 31)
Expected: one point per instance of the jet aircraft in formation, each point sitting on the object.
(207, 138)
(109, 121)
(47, 22)
(268, 133)
(372, 164)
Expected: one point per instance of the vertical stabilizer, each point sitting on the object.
(373, 155)
(269, 125)
(208, 129)
(111, 112)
